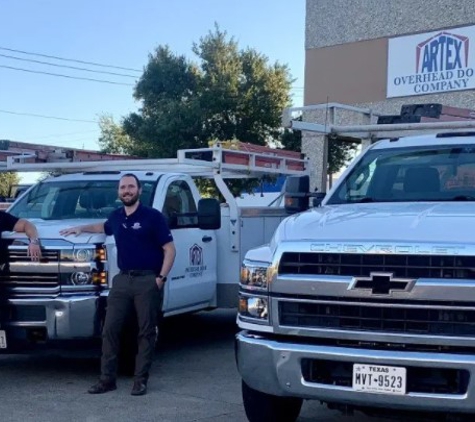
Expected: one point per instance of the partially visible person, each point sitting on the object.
(10, 223)
(145, 256)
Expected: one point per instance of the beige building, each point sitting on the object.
(381, 54)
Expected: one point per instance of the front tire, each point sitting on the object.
(262, 407)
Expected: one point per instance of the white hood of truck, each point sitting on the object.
(49, 229)
(441, 222)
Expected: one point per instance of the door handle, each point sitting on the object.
(207, 239)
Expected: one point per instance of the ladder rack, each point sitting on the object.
(325, 120)
(238, 161)
(368, 130)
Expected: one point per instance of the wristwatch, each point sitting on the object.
(35, 241)
(162, 277)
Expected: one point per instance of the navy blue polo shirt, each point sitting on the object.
(139, 238)
(7, 221)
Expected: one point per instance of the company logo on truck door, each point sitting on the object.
(440, 62)
(196, 267)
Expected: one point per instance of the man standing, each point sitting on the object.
(146, 253)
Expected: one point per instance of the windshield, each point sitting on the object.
(435, 173)
(60, 200)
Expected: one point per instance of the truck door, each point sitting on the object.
(192, 281)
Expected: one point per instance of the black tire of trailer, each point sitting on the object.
(262, 407)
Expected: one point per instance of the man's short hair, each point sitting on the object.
(139, 185)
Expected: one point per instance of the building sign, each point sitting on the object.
(440, 61)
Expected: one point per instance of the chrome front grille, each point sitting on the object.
(17, 254)
(21, 273)
(19, 279)
(331, 293)
(362, 265)
(423, 318)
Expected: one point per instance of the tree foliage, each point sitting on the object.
(223, 93)
(7, 180)
(113, 139)
(339, 152)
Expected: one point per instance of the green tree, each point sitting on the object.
(339, 152)
(226, 93)
(242, 94)
(170, 117)
(7, 180)
(113, 139)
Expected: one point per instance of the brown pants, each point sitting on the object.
(137, 289)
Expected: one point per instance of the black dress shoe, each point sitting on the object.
(139, 388)
(102, 387)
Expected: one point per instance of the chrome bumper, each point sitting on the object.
(62, 318)
(275, 368)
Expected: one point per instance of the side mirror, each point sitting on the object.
(209, 214)
(296, 194)
(317, 198)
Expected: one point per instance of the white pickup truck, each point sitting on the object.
(61, 299)
(367, 302)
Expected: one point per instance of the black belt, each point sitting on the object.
(137, 273)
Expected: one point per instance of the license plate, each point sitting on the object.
(379, 379)
(3, 339)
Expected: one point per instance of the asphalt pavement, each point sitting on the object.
(194, 378)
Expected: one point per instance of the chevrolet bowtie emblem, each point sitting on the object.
(382, 283)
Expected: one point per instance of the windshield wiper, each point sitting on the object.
(463, 198)
(367, 199)
(357, 200)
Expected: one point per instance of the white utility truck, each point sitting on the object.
(61, 299)
(367, 302)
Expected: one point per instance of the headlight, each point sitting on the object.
(254, 307)
(88, 277)
(101, 253)
(85, 264)
(80, 278)
(83, 255)
(99, 278)
(254, 276)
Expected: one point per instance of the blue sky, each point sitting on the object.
(120, 33)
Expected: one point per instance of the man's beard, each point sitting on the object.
(128, 201)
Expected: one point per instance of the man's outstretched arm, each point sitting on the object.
(86, 228)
